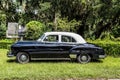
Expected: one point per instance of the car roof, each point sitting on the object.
(61, 33)
(77, 37)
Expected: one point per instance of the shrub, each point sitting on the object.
(111, 48)
(34, 30)
(6, 43)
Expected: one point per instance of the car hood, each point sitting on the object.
(23, 43)
(26, 42)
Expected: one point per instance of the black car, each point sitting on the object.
(56, 46)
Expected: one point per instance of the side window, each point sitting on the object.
(67, 39)
(51, 38)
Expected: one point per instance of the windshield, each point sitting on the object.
(41, 37)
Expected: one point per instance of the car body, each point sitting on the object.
(56, 46)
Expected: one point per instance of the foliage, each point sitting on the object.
(106, 36)
(2, 31)
(95, 17)
(116, 31)
(62, 24)
(34, 30)
(110, 47)
(52, 70)
(6, 43)
(7, 40)
(2, 25)
(65, 25)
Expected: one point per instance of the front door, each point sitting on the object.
(49, 48)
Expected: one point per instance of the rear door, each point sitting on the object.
(67, 42)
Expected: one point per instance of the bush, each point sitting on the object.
(6, 43)
(111, 48)
(2, 31)
(34, 30)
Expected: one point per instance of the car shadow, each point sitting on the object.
(40, 61)
(96, 61)
(53, 61)
(50, 61)
(11, 60)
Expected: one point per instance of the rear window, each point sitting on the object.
(67, 39)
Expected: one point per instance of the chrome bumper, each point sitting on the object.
(102, 56)
(9, 54)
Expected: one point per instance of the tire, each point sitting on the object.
(83, 58)
(22, 57)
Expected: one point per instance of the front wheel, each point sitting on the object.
(83, 58)
(22, 57)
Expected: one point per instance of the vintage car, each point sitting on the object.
(56, 46)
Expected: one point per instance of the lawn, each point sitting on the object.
(36, 70)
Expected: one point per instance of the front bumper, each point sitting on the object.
(9, 54)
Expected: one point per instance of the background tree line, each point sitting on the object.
(90, 18)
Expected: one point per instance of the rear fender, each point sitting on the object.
(84, 50)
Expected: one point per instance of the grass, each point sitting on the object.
(39, 70)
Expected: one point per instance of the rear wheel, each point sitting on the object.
(83, 58)
(22, 57)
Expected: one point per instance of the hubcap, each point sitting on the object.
(23, 57)
(84, 58)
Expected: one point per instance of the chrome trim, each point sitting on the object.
(102, 56)
(9, 54)
(73, 55)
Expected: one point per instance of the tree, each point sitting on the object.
(2, 25)
(2, 31)
(95, 17)
(34, 30)
(62, 24)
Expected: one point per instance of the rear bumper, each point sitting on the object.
(9, 54)
(102, 56)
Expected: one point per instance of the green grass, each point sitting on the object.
(36, 70)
